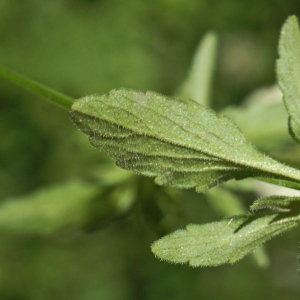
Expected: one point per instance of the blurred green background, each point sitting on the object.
(73, 226)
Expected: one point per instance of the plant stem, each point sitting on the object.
(288, 184)
(51, 95)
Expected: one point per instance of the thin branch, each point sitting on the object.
(51, 95)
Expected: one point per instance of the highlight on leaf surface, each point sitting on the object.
(228, 240)
(179, 142)
(288, 70)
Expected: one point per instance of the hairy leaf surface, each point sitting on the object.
(278, 203)
(180, 142)
(225, 241)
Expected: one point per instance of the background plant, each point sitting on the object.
(39, 150)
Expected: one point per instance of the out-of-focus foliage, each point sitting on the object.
(84, 47)
(288, 71)
(198, 84)
(263, 119)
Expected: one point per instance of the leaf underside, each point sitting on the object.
(228, 240)
(180, 143)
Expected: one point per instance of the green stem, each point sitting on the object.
(284, 183)
(51, 95)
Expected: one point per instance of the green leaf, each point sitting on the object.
(288, 67)
(108, 195)
(283, 183)
(180, 142)
(198, 84)
(226, 241)
(292, 132)
(263, 119)
(224, 202)
(278, 204)
(48, 210)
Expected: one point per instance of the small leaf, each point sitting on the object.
(198, 84)
(288, 67)
(226, 241)
(180, 142)
(278, 203)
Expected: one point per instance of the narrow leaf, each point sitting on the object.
(198, 84)
(226, 241)
(180, 142)
(288, 67)
(282, 183)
